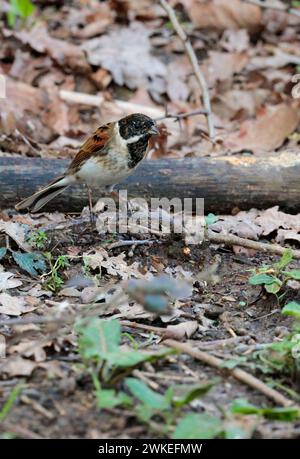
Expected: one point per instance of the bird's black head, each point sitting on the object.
(136, 126)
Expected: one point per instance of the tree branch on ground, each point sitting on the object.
(231, 239)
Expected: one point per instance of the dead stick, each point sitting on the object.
(194, 62)
(213, 361)
(98, 100)
(231, 239)
(19, 431)
(241, 375)
(157, 330)
(182, 116)
(271, 6)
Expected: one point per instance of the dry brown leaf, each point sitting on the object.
(30, 348)
(63, 52)
(70, 292)
(222, 66)
(279, 58)
(8, 281)
(267, 132)
(226, 105)
(21, 99)
(37, 291)
(128, 58)
(290, 235)
(96, 19)
(254, 223)
(273, 218)
(223, 14)
(16, 305)
(18, 366)
(235, 40)
(115, 266)
(181, 331)
(178, 70)
(17, 232)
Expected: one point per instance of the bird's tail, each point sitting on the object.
(42, 197)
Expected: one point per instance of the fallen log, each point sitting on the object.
(224, 182)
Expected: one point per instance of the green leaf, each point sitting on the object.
(184, 394)
(130, 358)
(126, 358)
(197, 427)
(274, 287)
(109, 398)
(242, 406)
(22, 8)
(294, 273)
(292, 309)
(30, 262)
(10, 401)
(3, 251)
(98, 338)
(286, 258)
(281, 414)
(146, 395)
(261, 279)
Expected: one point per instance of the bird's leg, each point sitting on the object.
(90, 196)
(120, 200)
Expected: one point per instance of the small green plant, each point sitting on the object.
(54, 280)
(38, 240)
(167, 406)
(274, 277)
(110, 364)
(283, 357)
(242, 406)
(19, 9)
(5, 410)
(101, 351)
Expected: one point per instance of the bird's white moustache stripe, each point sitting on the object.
(134, 139)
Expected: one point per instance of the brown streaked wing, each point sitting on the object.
(93, 146)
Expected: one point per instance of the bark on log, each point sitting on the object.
(224, 182)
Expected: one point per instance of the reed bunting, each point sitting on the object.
(110, 155)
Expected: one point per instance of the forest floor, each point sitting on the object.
(101, 338)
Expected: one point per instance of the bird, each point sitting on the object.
(107, 157)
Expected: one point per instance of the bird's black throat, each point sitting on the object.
(137, 151)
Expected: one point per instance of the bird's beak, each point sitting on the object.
(154, 130)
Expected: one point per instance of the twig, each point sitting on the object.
(194, 62)
(216, 362)
(19, 431)
(182, 116)
(97, 101)
(241, 375)
(115, 245)
(37, 407)
(272, 6)
(276, 311)
(231, 239)
(156, 330)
